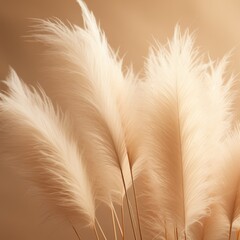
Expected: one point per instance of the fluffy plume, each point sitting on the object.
(165, 139)
(98, 96)
(221, 98)
(176, 133)
(227, 213)
(50, 156)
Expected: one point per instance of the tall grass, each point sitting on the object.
(161, 153)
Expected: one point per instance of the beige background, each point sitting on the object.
(130, 25)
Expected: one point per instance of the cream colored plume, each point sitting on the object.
(176, 129)
(225, 223)
(50, 157)
(98, 96)
(162, 150)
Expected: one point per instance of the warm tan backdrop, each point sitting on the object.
(130, 25)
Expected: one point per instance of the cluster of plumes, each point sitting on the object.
(169, 139)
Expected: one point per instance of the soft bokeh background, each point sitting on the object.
(131, 26)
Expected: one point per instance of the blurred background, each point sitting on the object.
(131, 26)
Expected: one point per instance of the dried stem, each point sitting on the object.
(136, 205)
(128, 205)
(95, 231)
(185, 237)
(118, 223)
(122, 214)
(230, 232)
(176, 232)
(74, 229)
(99, 226)
(165, 230)
(114, 225)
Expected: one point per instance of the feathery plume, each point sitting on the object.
(51, 156)
(176, 133)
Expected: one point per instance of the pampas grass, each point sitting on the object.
(163, 152)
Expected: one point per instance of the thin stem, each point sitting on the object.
(132, 212)
(176, 231)
(114, 225)
(118, 223)
(136, 205)
(122, 214)
(165, 230)
(238, 234)
(156, 236)
(128, 205)
(230, 232)
(95, 231)
(185, 237)
(104, 236)
(75, 230)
